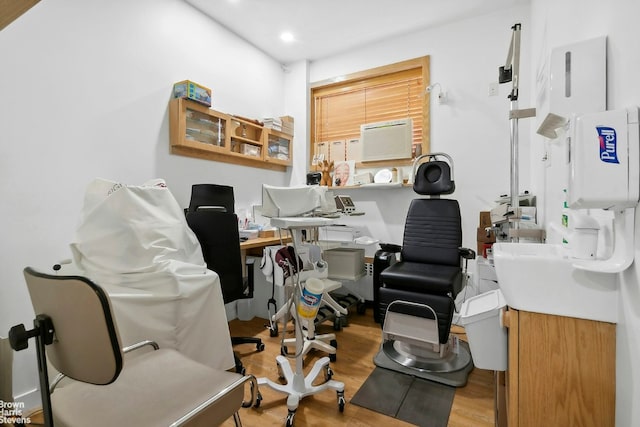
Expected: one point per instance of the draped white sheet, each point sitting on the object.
(135, 243)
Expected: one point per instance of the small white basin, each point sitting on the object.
(539, 277)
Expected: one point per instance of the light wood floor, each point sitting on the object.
(358, 343)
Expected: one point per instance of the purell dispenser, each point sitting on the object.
(604, 172)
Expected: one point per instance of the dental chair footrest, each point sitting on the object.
(442, 305)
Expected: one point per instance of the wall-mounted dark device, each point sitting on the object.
(313, 178)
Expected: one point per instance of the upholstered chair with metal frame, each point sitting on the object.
(101, 384)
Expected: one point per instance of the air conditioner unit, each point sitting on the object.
(389, 140)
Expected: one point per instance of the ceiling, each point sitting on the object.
(327, 27)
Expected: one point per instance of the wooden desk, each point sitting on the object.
(254, 246)
(261, 242)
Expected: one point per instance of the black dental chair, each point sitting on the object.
(415, 296)
(211, 217)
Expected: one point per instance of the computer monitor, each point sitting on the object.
(278, 202)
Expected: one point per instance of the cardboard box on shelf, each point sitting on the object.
(485, 219)
(193, 91)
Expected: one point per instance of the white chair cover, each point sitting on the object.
(135, 243)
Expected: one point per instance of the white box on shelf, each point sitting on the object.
(345, 263)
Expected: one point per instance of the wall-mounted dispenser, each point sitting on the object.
(578, 80)
(604, 161)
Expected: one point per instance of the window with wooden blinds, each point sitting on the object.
(393, 92)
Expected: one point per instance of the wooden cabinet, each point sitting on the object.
(561, 371)
(198, 131)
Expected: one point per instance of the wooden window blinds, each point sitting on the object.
(391, 93)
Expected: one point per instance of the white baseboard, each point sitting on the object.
(31, 400)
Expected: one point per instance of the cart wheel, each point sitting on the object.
(284, 350)
(344, 321)
(334, 356)
(260, 346)
(290, 417)
(337, 324)
(273, 332)
(328, 373)
(341, 401)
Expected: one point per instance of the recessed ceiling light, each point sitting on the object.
(286, 37)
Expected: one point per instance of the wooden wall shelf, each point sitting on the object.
(200, 132)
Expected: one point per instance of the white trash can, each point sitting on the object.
(245, 313)
(487, 336)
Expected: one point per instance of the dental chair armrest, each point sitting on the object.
(390, 247)
(467, 253)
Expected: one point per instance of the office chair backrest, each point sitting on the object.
(212, 195)
(86, 344)
(219, 238)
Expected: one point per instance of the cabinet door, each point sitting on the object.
(513, 368)
(279, 147)
(196, 126)
(566, 371)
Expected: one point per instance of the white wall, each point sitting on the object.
(296, 97)
(557, 24)
(85, 88)
(472, 127)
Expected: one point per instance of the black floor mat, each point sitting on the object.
(414, 400)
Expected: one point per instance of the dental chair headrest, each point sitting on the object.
(434, 178)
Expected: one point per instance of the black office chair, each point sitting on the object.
(98, 386)
(219, 197)
(420, 289)
(210, 216)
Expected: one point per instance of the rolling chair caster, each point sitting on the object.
(239, 368)
(258, 400)
(361, 307)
